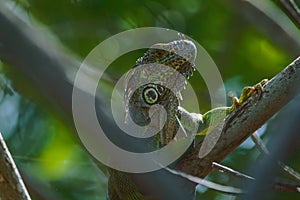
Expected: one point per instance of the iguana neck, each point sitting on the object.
(150, 84)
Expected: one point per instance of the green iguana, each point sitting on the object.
(179, 58)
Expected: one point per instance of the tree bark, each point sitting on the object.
(11, 183)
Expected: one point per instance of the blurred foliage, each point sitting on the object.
(45, 147)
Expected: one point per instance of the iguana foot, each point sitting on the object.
(248, 92)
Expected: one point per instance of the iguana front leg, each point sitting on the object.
(248, 92)
(139, 101)
(213, 117)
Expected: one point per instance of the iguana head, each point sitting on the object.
(158, 78)
(179, 54)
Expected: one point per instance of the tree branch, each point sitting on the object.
(230, 171)
(292, 9)
(286, 187)
(263, 149)
(272, 22)
(45, 69)
(246, 119)
(11, 183)
(44, 64)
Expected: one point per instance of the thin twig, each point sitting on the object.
(208, 184)
(263, 149)
(286, 187)
(272, 21)
(291, 172)
(259, 143)
(279, 185)
(228, 170)
(286, 126)
(291, 7)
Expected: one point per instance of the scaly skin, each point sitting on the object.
(160, 85)
(218, 114)
(148, 85)
(163, 87)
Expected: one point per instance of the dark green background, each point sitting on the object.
(43, 145)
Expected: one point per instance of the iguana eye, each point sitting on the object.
(150, 95)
